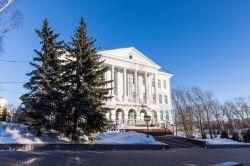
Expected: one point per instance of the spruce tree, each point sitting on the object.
(44, 96)
(85, 86)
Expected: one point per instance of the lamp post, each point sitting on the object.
(147, 118)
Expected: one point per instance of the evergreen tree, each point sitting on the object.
(85, 87)
(44, 96)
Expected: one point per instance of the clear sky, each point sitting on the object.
(204, 43)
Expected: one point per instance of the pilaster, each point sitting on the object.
(156, 89)
(125, 98)
(136, 88)
(146, 87)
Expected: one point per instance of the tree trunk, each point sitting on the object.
(201, 128)
(209, 126)
(74, 136)
(220, 124)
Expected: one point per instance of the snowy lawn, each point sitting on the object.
(223, 141)
(18, 134)
(214, 141)
(15, 133)
(124, 138)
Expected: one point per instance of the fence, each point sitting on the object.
(83, 147)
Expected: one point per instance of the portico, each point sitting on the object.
(139, 87)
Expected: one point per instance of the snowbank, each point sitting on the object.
(213, 141)
(15, 133)
(124, 138)
(223, 141)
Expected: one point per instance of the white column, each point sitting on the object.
(113, 115)
(125, 85)
(149, 88)
(146, 87)
(136, 88)
(113, 82)
(156, 89)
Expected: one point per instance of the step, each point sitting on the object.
(174, 141)
(179, 143)
(176, 144)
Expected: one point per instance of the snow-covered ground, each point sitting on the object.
(124, 138)
(16, 133)
(222, 141)
(196, 134)
(213, 141)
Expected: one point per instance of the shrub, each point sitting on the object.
(204, 136)
(224, 134)
(235, 136)
(214, 133)
(246, 136)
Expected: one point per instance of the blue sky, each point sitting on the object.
(204, 43)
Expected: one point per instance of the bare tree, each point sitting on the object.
(218, 114)
(229, 113)
(241, 110)
(198, 110)
(5, 4)
(194, 106)
(9, 19)
(183, 111)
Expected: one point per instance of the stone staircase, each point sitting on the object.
(174, 142)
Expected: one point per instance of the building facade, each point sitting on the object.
(139, 88)
(5, 114)
(3, 105)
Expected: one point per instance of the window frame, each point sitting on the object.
(159, 83)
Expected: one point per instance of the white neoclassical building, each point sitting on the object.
(140, 88)
(3, 105)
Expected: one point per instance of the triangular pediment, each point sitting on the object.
(130, 54)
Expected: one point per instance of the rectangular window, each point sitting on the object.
(153, 82)
(165, 84)
(154, 97)
(166, 99)
(116, 84)
(167, 117)
(159, 83)
(160, 99)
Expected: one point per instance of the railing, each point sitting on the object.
(82, 147)
(132, 121)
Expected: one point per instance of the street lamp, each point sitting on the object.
(147, 118)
